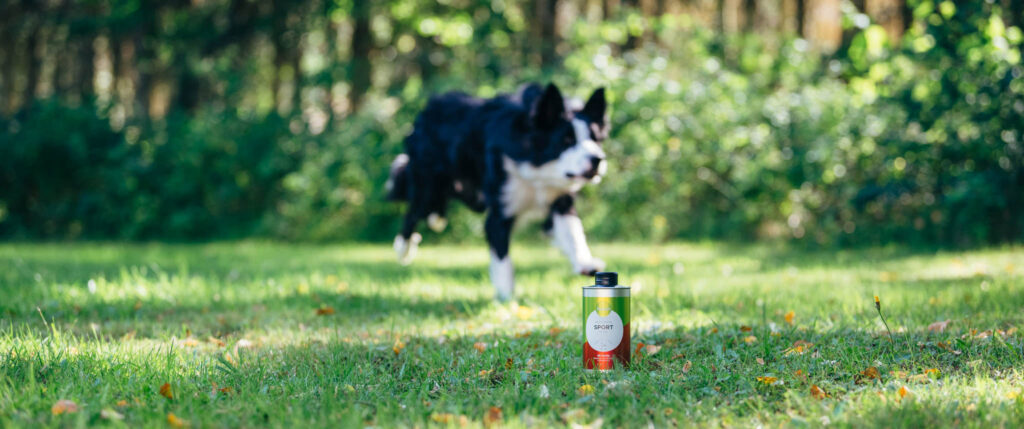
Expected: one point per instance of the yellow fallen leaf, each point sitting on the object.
(166, 392)
(480, 347)
(175, 421)
(800, 373)
(216, 342)
(121, 403)
(817, 392)
(651, 349)
(746, 328)
(586, 389)
(554, 331)
(789, 317)
(397, 348)
(687, 366)
(750, 339)
(64, 406)
(442, 418)
(767, 380)
(904, 392)
(189, 342)
(509, 363)
(799, 347)
(493, 416)
(932, 371)
(523, 312)
(485, 372)
(870, 373)
(325, 311)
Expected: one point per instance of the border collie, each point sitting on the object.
(514, 156)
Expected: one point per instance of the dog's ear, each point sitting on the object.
(549, 108)
(596, 106)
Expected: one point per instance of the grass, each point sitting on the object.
(252, 334)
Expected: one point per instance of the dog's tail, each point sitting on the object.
(397, 186)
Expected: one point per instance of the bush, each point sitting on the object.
(728, 138)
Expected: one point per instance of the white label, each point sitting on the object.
(604, 333)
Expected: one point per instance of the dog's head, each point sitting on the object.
(566, 143)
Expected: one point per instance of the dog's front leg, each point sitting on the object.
(566, 231)
(499, 231)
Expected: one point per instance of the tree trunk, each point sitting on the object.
(632, 42)
(360, 68)
(549, 42)
(801, 16)
(34, 66)
(749, 15)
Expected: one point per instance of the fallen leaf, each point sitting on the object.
(904, 392)
(1012, 395)
(397, 348)
(817, 392)
(493, 416)
(480, 347)
(651, 349)
(189, 342)
(554, 331)
(800, 374)
(585, 389)
(789, 317)
(750, 339)
(226, 390)
(668, 411)
(687, 366)
(938, 326)
(523, 312)
(714, 330)
(799, 347)
(110, 414)
(639, 347)
(508, 363)
(64, 406)
(122, 403)
(442, 418)
(767, 380)
(870, 373)
(175, 421)
(932, 371)
(746, 328)
(166, 392)
(216, 342)
(760, 361)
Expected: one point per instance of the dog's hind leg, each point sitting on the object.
(499, 231)
(407, 241)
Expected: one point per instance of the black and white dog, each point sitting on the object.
(514, 156)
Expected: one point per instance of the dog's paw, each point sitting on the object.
(406, 249)
(436, 222)
(589, 267)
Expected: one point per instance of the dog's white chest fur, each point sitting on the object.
(529, 190)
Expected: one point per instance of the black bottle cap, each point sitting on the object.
(606, 278)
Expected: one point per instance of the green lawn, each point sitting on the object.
(245, 335)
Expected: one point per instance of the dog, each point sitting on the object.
(514, 156)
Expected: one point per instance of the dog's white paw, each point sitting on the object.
(406, 249)
(588, 267)
(436, 222)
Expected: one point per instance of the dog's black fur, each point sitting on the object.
(465, 148)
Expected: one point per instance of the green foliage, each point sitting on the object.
(713, 136)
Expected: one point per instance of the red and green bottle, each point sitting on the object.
(606, 342)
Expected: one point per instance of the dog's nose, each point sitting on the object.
(595, 164)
